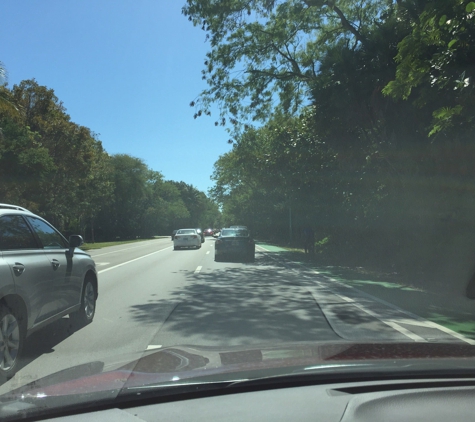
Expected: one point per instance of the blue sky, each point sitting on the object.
(126, 69)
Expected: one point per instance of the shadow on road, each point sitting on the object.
(263, 302)
(44, 341)
(267, 301)
(448, 308)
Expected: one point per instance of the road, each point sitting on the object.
(151, 296)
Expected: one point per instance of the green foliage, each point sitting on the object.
(48, 163)
(265, 55)
(435, 64)
(60, 170)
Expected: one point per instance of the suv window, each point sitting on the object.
(15, 233)
(49, 237)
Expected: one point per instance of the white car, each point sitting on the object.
(186, 238)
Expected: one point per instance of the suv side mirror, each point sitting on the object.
(74, 242)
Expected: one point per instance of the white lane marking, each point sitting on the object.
(417, 321)
(432, 324)
(392, 324)
(198, 269)
(405, 331)
(264, 249)
(153, 346)
(120, 250)
(99, 264)
(207, 253)
(132, 260)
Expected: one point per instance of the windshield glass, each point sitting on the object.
(337, 137)
(187, 231)
(234, 233)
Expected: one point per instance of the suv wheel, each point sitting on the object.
(85, 314)
(12, 338)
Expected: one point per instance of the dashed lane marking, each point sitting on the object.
(198, 269)
(207, 253)
(153, 346)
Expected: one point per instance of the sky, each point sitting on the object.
(127, 70)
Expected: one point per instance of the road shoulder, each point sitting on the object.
(452, 312)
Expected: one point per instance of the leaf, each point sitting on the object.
(442, 20)
(470, 7)
(451, 43)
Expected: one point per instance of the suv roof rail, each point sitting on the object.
(13, 207)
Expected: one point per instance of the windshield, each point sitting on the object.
(337, 136)
(188, 231)
(234, 233)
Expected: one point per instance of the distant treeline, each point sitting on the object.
(60, 170)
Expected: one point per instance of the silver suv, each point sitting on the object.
(43, 277)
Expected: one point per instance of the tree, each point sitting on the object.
(48, 163)
(436, 64)
(123, 217)
(60, 170)
(266, 54)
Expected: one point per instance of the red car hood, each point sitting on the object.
(185, 365)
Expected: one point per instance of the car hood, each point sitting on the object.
(162, 371)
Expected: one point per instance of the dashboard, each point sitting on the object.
(404, 400)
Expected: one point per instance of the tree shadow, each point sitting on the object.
(447, 308)
(45, 340)
(269, 301)
(248, 304)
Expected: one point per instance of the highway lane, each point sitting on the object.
(151, 296)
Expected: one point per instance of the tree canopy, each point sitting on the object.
(270, 56)
(60, 170)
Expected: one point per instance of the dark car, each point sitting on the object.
(235, 243)
(209, 232)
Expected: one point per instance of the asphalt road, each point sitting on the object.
(151, 296)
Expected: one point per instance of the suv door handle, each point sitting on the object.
(18, 268)
(55, 264)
